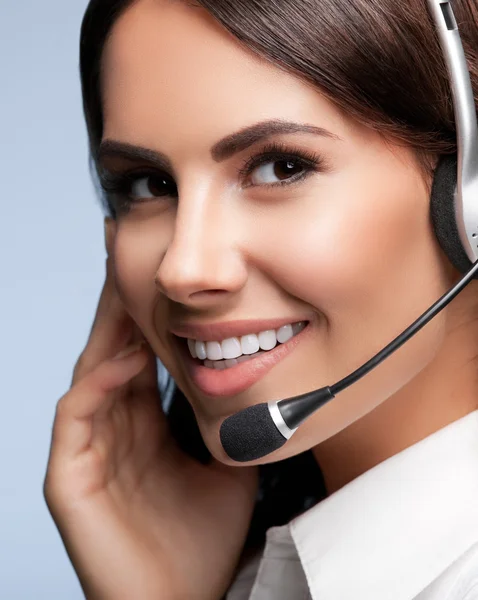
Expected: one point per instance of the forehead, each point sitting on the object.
(169, 67)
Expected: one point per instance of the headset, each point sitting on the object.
(263, 428)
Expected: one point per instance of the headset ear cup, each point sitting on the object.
(442, 208)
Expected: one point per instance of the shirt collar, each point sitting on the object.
(395, 528)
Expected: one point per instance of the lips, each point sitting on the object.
(236, 379)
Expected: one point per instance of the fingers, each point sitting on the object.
(111, 330)
(72, 428)
(147, 378)
(107, 294)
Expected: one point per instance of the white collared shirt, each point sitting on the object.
(407, 529)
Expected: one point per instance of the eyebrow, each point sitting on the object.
(222, 150)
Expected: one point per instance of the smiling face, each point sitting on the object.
(332, 228)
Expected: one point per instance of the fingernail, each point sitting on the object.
(129, 350)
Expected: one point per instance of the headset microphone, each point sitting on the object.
(261, 429)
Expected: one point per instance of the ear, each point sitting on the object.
(110, 234)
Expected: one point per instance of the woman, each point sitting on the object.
(266, 169)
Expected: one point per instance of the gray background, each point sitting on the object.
(52, 271)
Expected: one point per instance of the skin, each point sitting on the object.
(174, 81)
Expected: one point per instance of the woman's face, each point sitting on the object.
(334, 230)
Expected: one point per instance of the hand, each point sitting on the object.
(138, 518)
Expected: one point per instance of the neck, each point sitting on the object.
(446, 390)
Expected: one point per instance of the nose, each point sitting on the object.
(203, 263)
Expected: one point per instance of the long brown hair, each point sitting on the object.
(379, 61)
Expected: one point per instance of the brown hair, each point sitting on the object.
(379, 61)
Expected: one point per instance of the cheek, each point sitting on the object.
(346, 236)
(136, 257)
(139, 248)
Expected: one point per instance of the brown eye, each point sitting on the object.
(152, 186)
(278, 165)
(274, 170)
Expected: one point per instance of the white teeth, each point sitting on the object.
(234, 349)
(267, 339)
(249, 343)
(284, 333)
(201, 350)
(231, 348)
(213, 350)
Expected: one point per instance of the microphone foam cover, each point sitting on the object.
(250, 434)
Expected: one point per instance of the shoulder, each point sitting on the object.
(458, 582)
